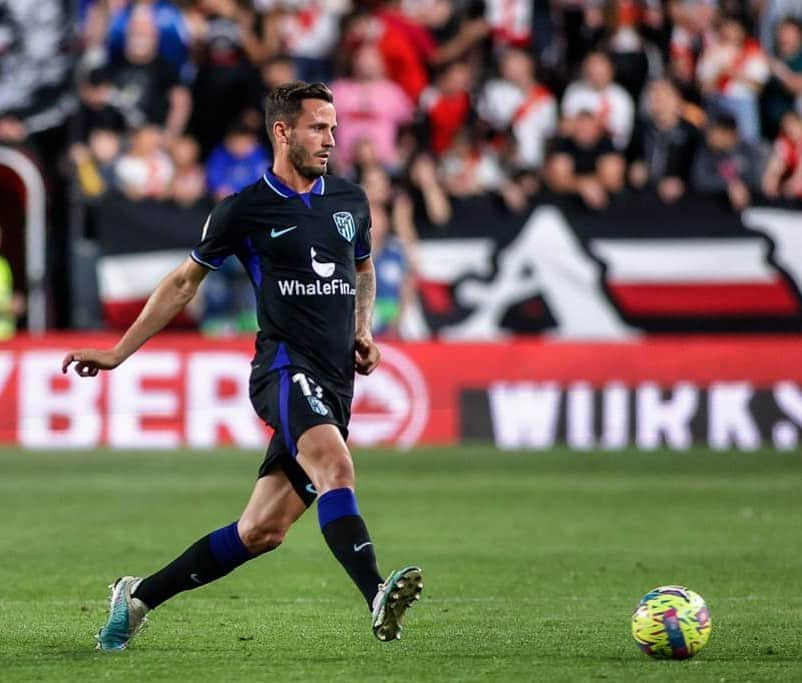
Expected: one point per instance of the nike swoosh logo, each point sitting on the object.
(279, 233)
(196, 579)
(357, 548)
(311, 489)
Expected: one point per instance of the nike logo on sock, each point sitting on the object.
(197, 579)
(359, 547)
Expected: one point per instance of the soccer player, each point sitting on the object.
(304, 239)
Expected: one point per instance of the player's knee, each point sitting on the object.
(328, 464)
(260, 539)
(337, 473)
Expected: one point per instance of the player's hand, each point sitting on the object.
(88, 362)
(367, 355)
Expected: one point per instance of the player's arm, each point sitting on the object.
(367, 353)
(168, 299)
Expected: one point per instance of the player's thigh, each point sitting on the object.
(292, 402)
(272, 509)
(278, 457)
(324, 456)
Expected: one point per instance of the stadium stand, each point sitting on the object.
(635, 119)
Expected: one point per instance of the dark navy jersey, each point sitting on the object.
(300, 252)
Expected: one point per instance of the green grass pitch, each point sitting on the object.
(533, 563)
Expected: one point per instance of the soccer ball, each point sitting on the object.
(671, 622)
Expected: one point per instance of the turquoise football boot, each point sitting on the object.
(127, 615)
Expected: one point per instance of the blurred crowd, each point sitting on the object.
(439, 100)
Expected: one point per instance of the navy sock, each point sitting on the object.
(347, 537)
(208, 559)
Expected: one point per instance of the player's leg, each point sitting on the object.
(312, 421)
(273, 507)
(323, 455)
(325, 458)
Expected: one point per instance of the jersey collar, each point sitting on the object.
(282, 190)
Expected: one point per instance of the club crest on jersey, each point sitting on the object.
(345, 224)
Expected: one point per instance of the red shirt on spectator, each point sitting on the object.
(510, 21)
(790, 151)
(405, 48)
(447, 113)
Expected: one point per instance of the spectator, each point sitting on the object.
(36, 95)
(655, 28)
(427, 189)
(597, 93)
(12, 304)
(308, 32)
(517, 102)
(615, 27)
(692, 21)
(367, 167)
(277, 70)
(455, 33)
(147, 89)
(365, 158)
(189, 181)
(145, 171)
(95, 162)
(470, 168)
(732, 71)
(227, 81)
(628, 50)
(97, 108)
(447, 105)
(172, 32)
(394, 283)
(510, 21)
(785, 85)
(239, 161)
(94, 21)
(369, 106)
(783, 175)
(586, 163)
(581, 30)
(726, 165)
(772, 12)
(664, 144)
(404, 46)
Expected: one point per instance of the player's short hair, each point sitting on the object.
(285, 102)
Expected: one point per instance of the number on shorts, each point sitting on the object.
(301, 380)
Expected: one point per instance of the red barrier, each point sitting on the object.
(191, 391)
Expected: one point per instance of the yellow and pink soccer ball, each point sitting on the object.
(671, 622)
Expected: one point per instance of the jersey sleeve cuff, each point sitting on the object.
(201, 262)
(361, 257)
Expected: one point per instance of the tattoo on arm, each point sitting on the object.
(365, 296)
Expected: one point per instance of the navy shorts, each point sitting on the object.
(291, 401)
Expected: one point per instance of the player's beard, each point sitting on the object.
(303, 161)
